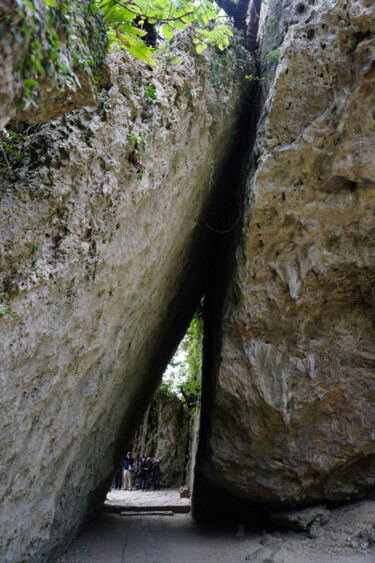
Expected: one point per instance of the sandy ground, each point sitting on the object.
(113, 538)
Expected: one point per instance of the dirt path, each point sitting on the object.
(115, 538)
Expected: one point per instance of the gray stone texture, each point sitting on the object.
(93, 263)
(164, 432)
(101, 270)
(292, 417)
(185, 491)
(302, 519)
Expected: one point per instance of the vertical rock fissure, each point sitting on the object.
(206, 504)
(208, 274)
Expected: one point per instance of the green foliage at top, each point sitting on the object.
(68, 36)
(125, 21)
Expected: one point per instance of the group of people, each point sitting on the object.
(148, 471)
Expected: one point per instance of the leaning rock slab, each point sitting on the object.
(96, 252)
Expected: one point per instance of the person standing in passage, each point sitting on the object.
(128, 469)
(157, 473)
(148, 469)
(142, 474)
(118, 478)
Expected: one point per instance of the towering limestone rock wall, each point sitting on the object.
(103, 260)
(292, 407)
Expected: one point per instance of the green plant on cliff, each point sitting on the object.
(139, 142)
(11, 144)
(192, 344)
(150, 95)
(46, 27)
(5, 314)
(165, 54)
(66, 38)
(272, 26)
(272, 56)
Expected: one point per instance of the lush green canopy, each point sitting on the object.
(126, 21)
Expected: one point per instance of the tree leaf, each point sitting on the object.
(142, 52)
(30, 83)
(168, 31)
(132, 30)
(179, 25)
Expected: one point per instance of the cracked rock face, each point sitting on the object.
(293, 415)
(94, 258)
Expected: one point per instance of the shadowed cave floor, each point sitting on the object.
(115, 538)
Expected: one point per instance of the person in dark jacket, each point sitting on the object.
(142, 474)
(118, 478)
(128, 470)
(157, 473)
(148, 469)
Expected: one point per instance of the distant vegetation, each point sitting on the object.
(183, 376)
